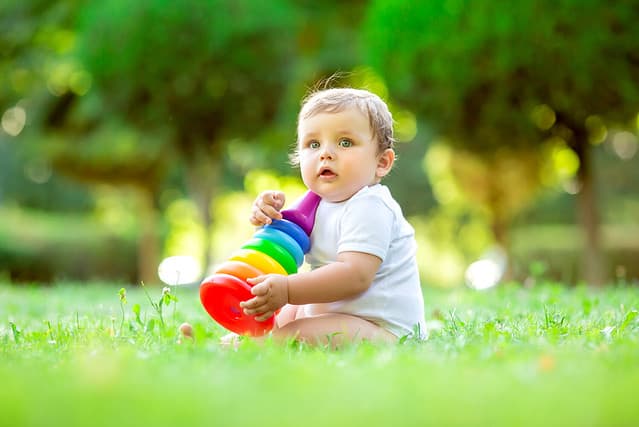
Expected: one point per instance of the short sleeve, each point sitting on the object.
(366, 226)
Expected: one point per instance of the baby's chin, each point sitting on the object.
(336, 197)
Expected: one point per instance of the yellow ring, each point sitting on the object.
(259, 260)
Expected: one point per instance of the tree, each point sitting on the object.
(166, 85)
(492, 75)
(35, 35)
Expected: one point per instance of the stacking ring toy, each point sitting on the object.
(259, 260)
(239, 269)
(275, 251)
(227, 292)
(284, 240)
(277, 248)
(303, 212)
(293, 230)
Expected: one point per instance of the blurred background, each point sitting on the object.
(136, 134)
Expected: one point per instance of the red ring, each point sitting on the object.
(221, 295)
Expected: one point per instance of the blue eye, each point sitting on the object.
(345, 143)
(314, 144)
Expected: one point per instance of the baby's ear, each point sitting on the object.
(385, 162)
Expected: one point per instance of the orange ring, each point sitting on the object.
(238, 269)
(258, 260)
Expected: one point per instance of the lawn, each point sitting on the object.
(76, 355)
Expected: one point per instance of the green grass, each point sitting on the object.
(547, 356)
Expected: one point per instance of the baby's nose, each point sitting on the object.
(326, 153)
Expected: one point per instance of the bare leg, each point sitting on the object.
(287, 314)
(333, 328)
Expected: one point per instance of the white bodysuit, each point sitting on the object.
(372, 222)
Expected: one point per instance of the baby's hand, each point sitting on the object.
(271, 294)
(266, 207)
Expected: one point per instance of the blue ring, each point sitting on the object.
(284, 240)
(293, 230)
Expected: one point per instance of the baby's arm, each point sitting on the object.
(350, 275)
(266, 207)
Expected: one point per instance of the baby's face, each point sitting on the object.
(338, 154)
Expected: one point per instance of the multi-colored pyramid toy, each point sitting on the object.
(278, 248)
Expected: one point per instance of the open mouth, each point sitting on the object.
(327, 173)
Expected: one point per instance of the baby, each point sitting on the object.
(364, 282)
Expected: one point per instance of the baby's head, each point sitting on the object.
(338, 99)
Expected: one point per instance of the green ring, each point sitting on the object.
(275, 251)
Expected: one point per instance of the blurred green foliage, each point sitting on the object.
(160, 120)
(517, 86)
(43, 248)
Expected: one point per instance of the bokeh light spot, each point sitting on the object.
(179, 270)
(38, 171)
(437, 165)
(565, 162)
(437, 159)
(80, 82)
(597, 131)
(368, 79)
(13, 120)
(543, 117)
(405, 125)
(571, 186)
(487, 271)
(624, 144)
(483, 274)
(59, 78)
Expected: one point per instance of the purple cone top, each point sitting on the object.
(303, 211)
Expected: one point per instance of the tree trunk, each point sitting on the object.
(202, 178)
(588, 213)
(149, 242)
(500, 228)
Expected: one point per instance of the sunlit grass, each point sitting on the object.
(77, 355)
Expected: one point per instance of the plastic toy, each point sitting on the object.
(278, 248)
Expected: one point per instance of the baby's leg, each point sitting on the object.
(287, 314)
(333, 328)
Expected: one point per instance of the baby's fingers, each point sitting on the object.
(274, 198)
(270, 212)
(260, 286)
(269, 204)
(265, 316)
(256, 310)
(259, 218)
(250, 304)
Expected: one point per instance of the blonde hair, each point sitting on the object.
(335, 100)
